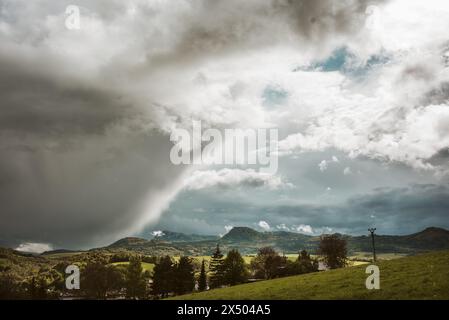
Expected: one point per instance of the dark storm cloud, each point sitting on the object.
(438, 95)
(318, 19)
(37, 103)
(440, 158)
(78, 157)
(220, 27)
(85, 194)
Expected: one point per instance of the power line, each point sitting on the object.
(371, 230)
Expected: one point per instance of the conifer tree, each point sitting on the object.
(184, 276)
(216, 269)
(163, 282)
(202, 281)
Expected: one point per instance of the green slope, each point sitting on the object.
(424, 276)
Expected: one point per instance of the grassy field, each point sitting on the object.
(145, 265)
(424, 276)
(294, 256)
(380, 256)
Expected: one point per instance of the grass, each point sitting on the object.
(380, 256)
(423, 276)
(145, 265)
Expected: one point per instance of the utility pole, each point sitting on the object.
(371, 230)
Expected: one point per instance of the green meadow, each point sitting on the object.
(424, 276)
(145, 265)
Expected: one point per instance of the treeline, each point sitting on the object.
(98, 277)
(101, 279)
(172, 278)
(127, 256)
(175, 278)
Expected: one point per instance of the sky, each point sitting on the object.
(358, 91)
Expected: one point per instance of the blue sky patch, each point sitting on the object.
(346, 62)
(274, 95)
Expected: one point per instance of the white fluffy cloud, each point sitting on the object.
(397, 110)
(231, 178)
(34, 247)
(323, 165)
(264, 225)
(304, 228)
(283, 227)
(157, 233)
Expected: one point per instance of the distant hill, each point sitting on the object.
(143, 246)
(428, 239)
(171, 236)
(249, 240)
(59, 251)
(128, 242)
(242, 234)
(434, 238)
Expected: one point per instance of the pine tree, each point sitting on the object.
(184, 276)
(163, 282)
(216, 269)
(202, 281)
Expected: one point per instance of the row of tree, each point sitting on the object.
(100, 279)
(179, 278)
(268, 264)
(169, 277)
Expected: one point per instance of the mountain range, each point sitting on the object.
(248, 241)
